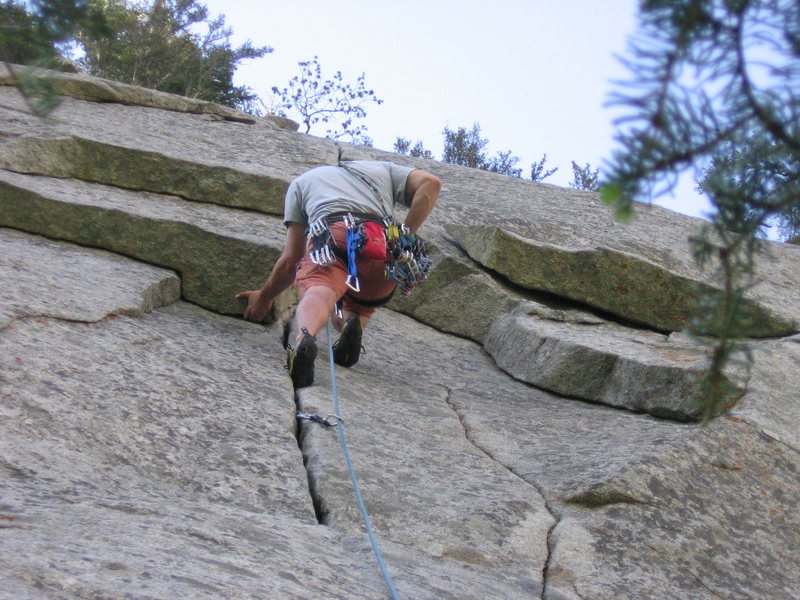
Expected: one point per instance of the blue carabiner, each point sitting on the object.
(353, 244)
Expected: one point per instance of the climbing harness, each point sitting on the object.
(339, 424)
(405, 254)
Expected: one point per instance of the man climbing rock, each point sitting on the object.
(339, 220)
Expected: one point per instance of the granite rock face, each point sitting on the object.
(640, 370)
(522, 426)
(630, 286)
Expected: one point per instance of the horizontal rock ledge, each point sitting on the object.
(96, 89)
(588, 358)
(217, 252)
(457, 298)
(230, 163)
(62, 281)
(622, 284)
(142, 170)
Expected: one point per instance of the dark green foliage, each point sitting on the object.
(465, 148)
(403, 146)
(150, 43)
(715, 87)
(584, 178)
(34, 38)
(157, 46)
(754, 187)
(701, 87)
(789, 224)
(23, 38)
(505, 164)
(331, 101)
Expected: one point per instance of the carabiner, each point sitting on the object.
(356, 287)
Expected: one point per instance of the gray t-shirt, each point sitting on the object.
(360, 186)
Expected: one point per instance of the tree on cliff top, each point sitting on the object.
(467, 148)
(715, 87)
(172, 46)
(327, 101)
(38, 38)
(152, 43)
(22, 40)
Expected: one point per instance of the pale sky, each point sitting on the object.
(535, 74)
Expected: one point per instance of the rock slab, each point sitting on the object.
(497, 426)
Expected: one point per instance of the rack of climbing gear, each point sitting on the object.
(320, 237)
(409, 264)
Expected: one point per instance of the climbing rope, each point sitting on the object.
(359, 499)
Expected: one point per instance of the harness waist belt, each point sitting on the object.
(339, 216)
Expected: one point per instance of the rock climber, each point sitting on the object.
(320, 208)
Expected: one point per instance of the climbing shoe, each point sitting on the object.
(300, 361)
(347, 349)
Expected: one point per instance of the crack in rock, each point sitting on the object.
(556, 519)
(301, 435)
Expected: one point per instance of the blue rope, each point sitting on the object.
(359, 499)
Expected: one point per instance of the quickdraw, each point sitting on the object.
(321, 420)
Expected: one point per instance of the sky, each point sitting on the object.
(535, 74)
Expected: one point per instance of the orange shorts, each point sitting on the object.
(375, 288)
